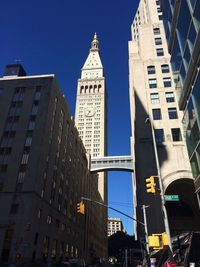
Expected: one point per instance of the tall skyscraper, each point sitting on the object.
(153, 95)
(182, 27)
(43, 174)
(91, 120)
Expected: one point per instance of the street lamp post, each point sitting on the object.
(165, 218)
(145, 227)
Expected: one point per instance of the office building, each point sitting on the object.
(114, 225)
(43, 174)
(91, 122)
(153, 96)
(182, 27)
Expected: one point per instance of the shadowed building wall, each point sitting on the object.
(153, 95)
(43, 173)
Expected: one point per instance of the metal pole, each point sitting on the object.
(166, 223)
(104, 205)
(145, 227)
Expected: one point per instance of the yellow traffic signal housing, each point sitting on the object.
(158, 241)
(81, 207)
(154, 241)
(165, 240)
(150, 185)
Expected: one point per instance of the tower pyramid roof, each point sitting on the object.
(93, 62)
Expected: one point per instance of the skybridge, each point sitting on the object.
(111, 163)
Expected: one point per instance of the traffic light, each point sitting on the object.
(165, 240)
(158, 241)
(150, 185)
(81, 207)
(154, 241)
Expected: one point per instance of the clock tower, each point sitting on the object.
(90, 115)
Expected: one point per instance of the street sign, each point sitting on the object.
(171, 197)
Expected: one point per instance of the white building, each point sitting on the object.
(114, 225)
(153, 95)
(91, 122)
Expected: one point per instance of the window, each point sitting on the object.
(155, 98)
(156, 31)
(37, 93)
(31, 125)
(165, 68)
(160, 52)
(152, 83)
(156, 114)
(34, 109)
(169, 97)
(151, 70)
(194, 165)
(36, 238)
(176, 134)
(167, 82)
(28, 141)
(63, 226)
(3, 168)
(172, 113)
(158, 41)
(14, 208)
(18, 94)
(159, 135)
(20, 178)
(39, 213)
(159, 9)
(8, 235)
(25, 158)
(49, 219)
(15, 108)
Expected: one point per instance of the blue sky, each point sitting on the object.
(54, 36)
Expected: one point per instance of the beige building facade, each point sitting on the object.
(114, 225)
(152, 94)
(91, 122)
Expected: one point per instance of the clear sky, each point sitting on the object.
(54, 36)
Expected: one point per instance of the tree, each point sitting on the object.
(118, 242)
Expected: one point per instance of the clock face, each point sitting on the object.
(89, 111)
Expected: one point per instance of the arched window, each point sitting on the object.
(95, 87)
(151, 69)
(99, 88)
(82, 88)
(86, 88)
(90, 89)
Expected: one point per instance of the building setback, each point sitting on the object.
(43, 173)
(182, 27)
(91, 122)
(153, 95)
